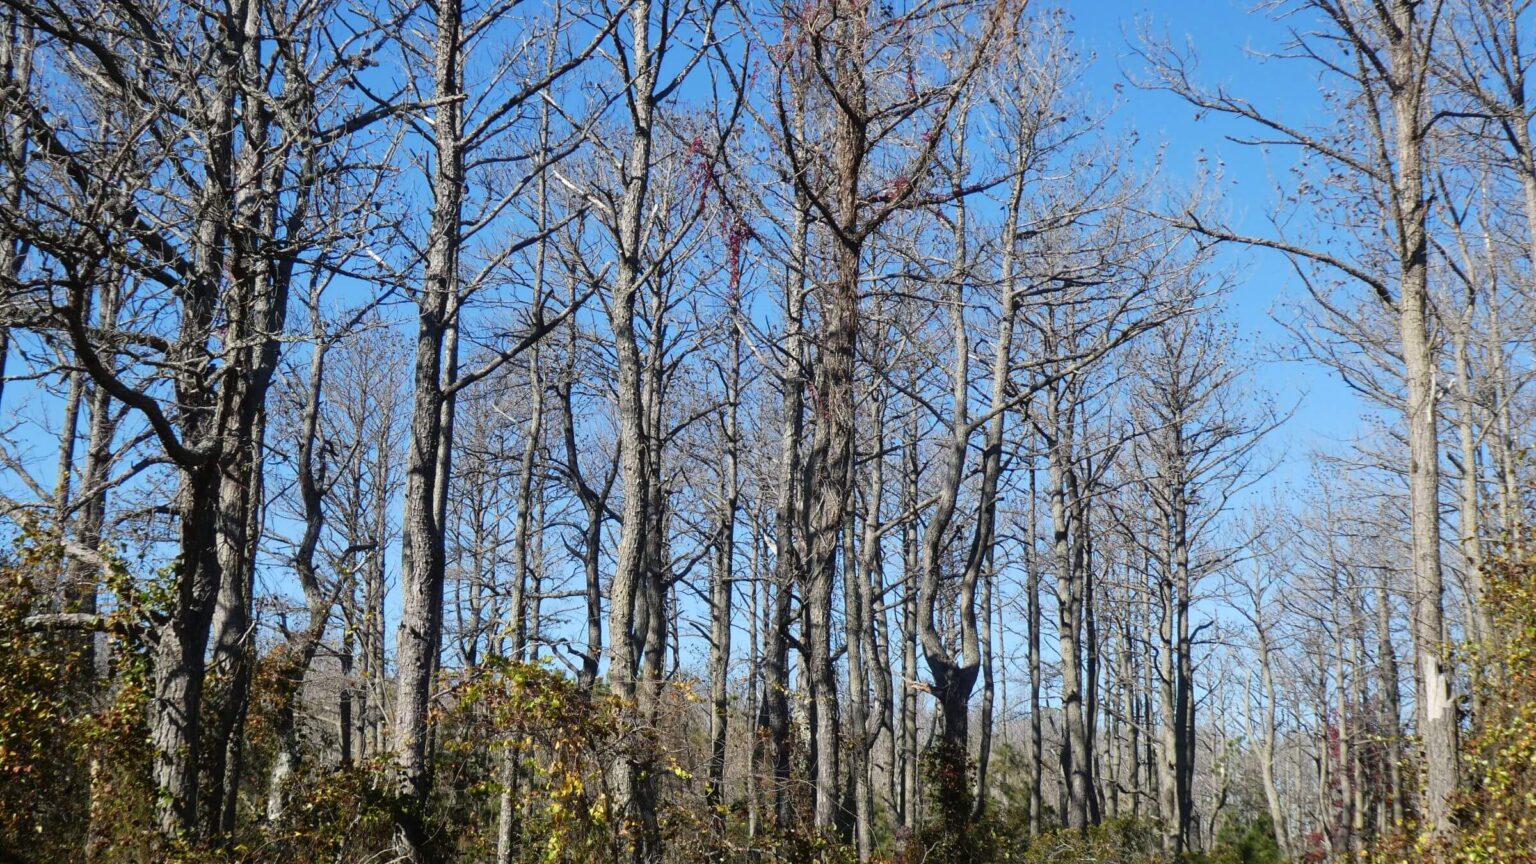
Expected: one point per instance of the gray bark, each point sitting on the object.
(422, 571)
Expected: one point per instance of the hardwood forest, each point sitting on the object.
(787, 431)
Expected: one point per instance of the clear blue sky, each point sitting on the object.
(1228, 36)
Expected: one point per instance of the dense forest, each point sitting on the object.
(726, 431)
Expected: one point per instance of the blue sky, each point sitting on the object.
(1229, 39)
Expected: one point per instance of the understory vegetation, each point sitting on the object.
(75, 761)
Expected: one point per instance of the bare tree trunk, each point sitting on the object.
(722, 590)
(1036, 721)
(1437, 712)
(868, 654)
(988, 691)
(754, 673)
(828, 460)
(1130, 758)
(89, 529)
(1091, 650)
(374, 590)
(1075, 755)
(910, 809)
(506, 822)
(233, 652)
(1168, 728)
(1467, 514)
(522, 531)
(788, 520)
(953, 677)
(179, 665)
(879, 726)
(1504, 451)
(311, 476)
(855, 619)
(69, 434)
(422, 542)
(630, 591)
(16, 77)
(1346, 760)
(594, 504)
(1357, 804)
(1184, 717)
(1267, 741)
(1391, 704)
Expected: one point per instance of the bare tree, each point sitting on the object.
(458, 131)
(1381, 57)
